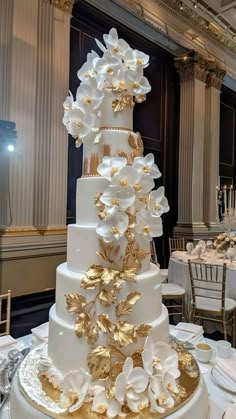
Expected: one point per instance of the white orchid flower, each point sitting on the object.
(114, 44)
(79, 124)
(110, 166)
(67, 105)
(87, 70)
(118, 198)
(136, 83)
(147, 165)
(148, 225)
(88, 96)
(75, 386)
(135, 58)
(113, 226)
(141, 183)
(102, 404)
(118, 81)
(130, 386)
(158, 203)
(159, 358)
(108, 65)
(159, 397)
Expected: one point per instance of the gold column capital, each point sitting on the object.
(215, 75)
(63, 5)
(190, 66)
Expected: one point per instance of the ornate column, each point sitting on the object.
(192, 70)
(211, 150)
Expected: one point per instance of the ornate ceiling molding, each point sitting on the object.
(63, 5)
(191, 66)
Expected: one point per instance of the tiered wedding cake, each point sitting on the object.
(108, 352)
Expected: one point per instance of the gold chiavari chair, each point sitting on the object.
(208, 296)
(5, 302)
(176, 244)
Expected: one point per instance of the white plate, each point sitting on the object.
(217, 378)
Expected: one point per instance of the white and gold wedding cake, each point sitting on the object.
(108, 354)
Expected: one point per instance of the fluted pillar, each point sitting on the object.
(192, 71)
(211, 152)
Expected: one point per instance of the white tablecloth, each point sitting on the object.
(178, 273)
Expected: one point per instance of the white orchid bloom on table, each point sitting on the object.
(130, 386)
(101, 404)
(113, 227)
(80, 123)
(147, 165)
(75, 387)
(88, 96)
(148, 225)
(117, 198)
(114, 44)
(141, 183)
(87, 70)
(158, 203)
(136, 83)
(135, 58)
(111, 166)
(108, 65)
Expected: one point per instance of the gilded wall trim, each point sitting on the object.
(21, 231)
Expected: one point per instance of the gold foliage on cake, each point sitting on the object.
(125, 307)
(136, 146)
(125, 100)
(75, 302)
(143, 330)
(124, 333)
(134, 256)
(100, 206)
(99, 362)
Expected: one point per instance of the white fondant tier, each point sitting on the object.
(147, 309)
(87, 188)
(68, 352)
(83, 243)
(196, 408)
(121, 119)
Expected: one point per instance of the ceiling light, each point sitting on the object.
(11, 147)
(195, 5)
(181, 6)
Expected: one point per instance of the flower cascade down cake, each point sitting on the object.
(108, 353)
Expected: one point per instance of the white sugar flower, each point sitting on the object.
(75, 386)
(141, 183)
(79, 124)
(147, 165)
(158, 203)
(118, 81)
(113, 227)
(108, 65)
(110, 166)
(102, 404)
(67, 105)
(87, 70)
(159, 397)
(136, 83)
(135, 58)
(118, 198)
(148, 225)
(130, 386)
(159, 358)
(88, 96)
(114, 44)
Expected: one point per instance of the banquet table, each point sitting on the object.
(178, 273)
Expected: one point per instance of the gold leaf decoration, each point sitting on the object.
(137, 358)
(115, 352)
(143, 330)
(108, 252)
(106, 297)
(119, 104)
(131, 141)
(97, 201)
(124, 333)
(92, 335)
(99, 362)
(92, 277)
(128, 274)
(116, 369)
(108, 275)
(140, 143)
(104, 323)
(82, 324)
(75, 302)
(134, 256)
(124, 307)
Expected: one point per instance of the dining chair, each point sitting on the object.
(163, 272)
(173, 297)
(208, 302)
(176, 244)
(5, 313)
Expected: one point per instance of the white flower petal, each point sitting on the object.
(138, 378)
(120, 387)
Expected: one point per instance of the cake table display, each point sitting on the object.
(108, 353)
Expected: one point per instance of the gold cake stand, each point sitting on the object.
(41, 395)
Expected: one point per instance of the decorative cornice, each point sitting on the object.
(28, 231)
(191, 66)
(63, 5)
(215, 75)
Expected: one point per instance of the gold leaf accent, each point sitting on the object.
(116, 369)
(143, 330)
(99, 362)
(128, 274)
(131, 141)
(134, 256)
(137, 358)
(97, 201)
(92, 335)
(92, 277)
(124, 333)
(115, 352)
(104, 323)
(124, 307)
(139, 141)
(106, 297)
(75, 302)
(109, 275)
(82, 324)
(119, 104)
(108, 252)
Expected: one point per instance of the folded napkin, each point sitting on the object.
(230, 412)
(187, 335)
(229, 368)
(41, 332)
(190, 327)
(7, 340)
(223, 379)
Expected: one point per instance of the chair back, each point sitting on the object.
(176, 244)
(208, 283)
(153, 253)
(5, 313)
